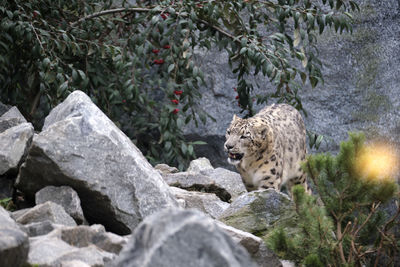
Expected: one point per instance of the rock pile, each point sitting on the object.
(89, 194)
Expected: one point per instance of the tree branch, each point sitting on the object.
(111, 11)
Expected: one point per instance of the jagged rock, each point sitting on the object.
(80, 147)
(231, 181)
(255, 212)
(227, 185)
(11, 118)
(47, 211)
(64, 196)
(49, 250)
(207, 203)
(164, 168)
(74, 263)
(254, 245)
(14, 143)
(181, 238)
(83, 236)
(200, 164)
(39, 228)
(14, 244)
(196, 182)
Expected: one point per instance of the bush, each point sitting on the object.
(137, 63)
(344, 226)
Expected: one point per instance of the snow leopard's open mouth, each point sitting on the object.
(235, 156)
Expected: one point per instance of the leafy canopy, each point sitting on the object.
(138, 63)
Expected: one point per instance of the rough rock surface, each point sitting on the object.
(40, 228)
(360, 92)
(199, 165)
(81, 148)
(256, 211)
(64, 196)
(11, 118)
(164, 168)
(48, 211)
(4, 108)
(207, 203)
(254, 245)
(181, 238)
(52, 251)
(14, 143)
(14, 244)
(227, 185)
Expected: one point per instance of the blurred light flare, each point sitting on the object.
(378, 161)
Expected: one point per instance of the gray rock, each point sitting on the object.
(84, 236)
(11, 118)
(181, 238)
(39, 228)
(196, 182)
(80, 147)
(74, 263)
(14, 144)
(227, 185)
(254, 245)
(64, 196)
(360, 92)
(255, 212)
(231, 181)
(14, 244)
(49, 250)
(164, 168)
(207, 203)
(200, 164)
(47, 211)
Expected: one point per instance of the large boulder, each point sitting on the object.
(181, 238)
(14, 244)
(81, 148)
(14, 144)
(64, 196)
(257, 211)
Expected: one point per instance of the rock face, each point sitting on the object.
(255, 212)
(11, 118)
(14, 244)
(14, 143)
(64, 196)
(360, 92)
(181, 238)
(81, 148)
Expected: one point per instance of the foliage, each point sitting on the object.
(7, 203)
(344, 226)
(138, 62)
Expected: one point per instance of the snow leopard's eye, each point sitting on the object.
(244, 137)
(228, 132)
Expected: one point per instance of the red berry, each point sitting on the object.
(175, 101)
(158, 61)
(178, 92)
(237, 97)
(164, 15)
(175, 111)
(167, 46)
(123, 101)
(155, 51)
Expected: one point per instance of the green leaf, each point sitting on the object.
(171, 68)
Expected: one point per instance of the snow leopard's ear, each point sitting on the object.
(235, 118)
